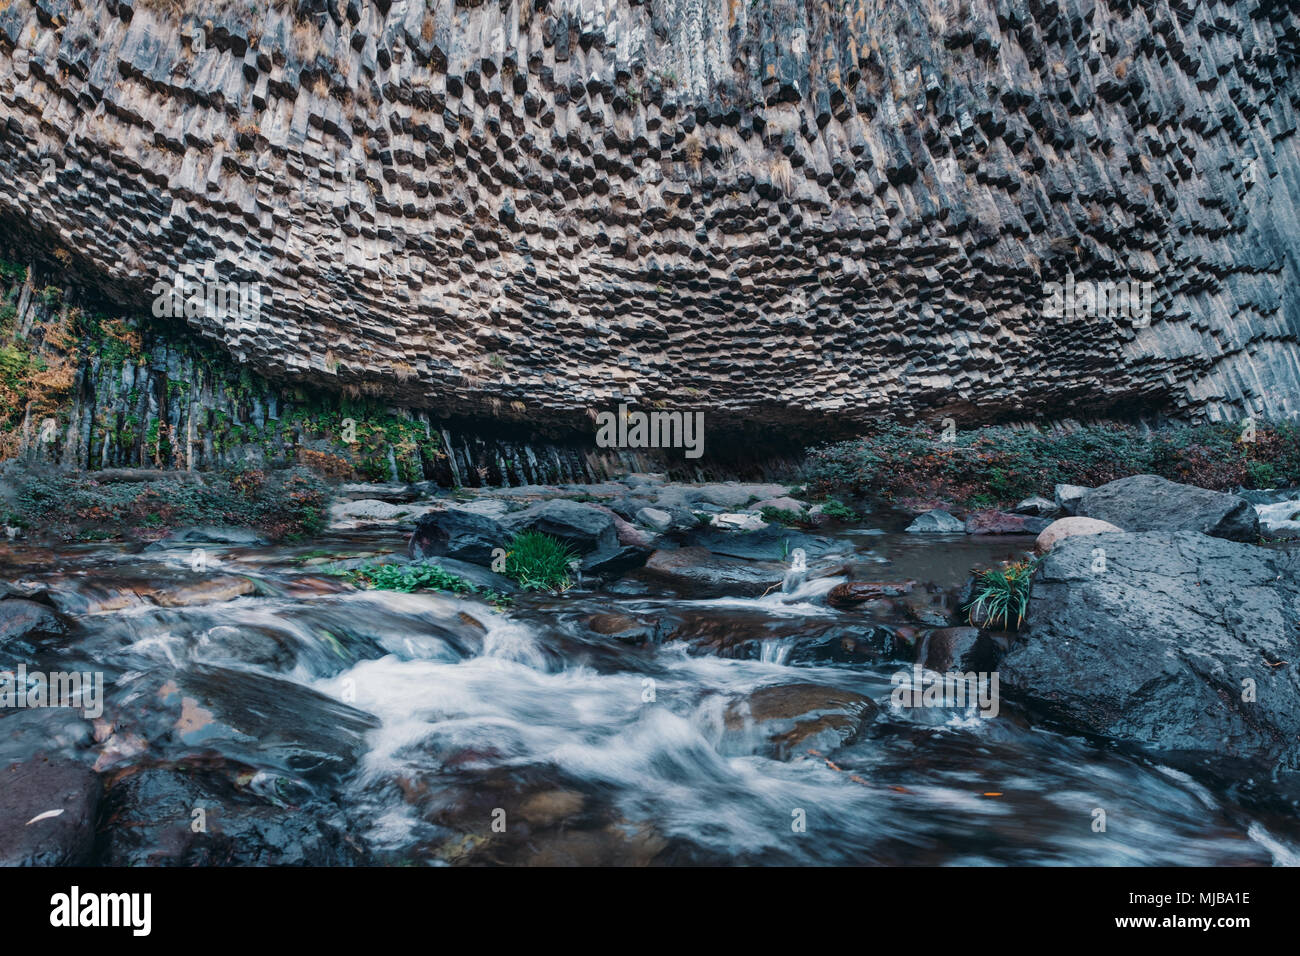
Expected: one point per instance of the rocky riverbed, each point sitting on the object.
(714, 688)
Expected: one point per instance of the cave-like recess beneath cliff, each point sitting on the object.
(792, 214)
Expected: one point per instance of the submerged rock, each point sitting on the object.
(1184, 643)
(790, 720)
(851, 593)
(1150, 503)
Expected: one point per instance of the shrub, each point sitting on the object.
(783, 516)
(539, 562)
(838, 511)
(996, 465)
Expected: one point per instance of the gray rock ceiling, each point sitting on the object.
(795, 212)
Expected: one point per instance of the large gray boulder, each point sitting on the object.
(586, 527)
(456, 533)
(1156, 644)
(1150, 503)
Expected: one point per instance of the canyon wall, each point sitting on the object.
(804, 214)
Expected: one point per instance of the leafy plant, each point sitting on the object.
(1000, 593)
(783, 516)
(539, 562)
(408, 578)
(838, 510)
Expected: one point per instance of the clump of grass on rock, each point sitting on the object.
(1000, 594)
(539, 562)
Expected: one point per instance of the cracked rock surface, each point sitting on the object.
(788, 209)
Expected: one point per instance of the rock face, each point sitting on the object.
(1150, 503)
(821, 211)
(1157, 649)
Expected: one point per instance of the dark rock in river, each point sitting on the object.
(1150, 503)
(47, 816)
(961, 649)
(23, 618)
(455, 533)
(1162, 647)
(851, 593)
(999, 522)
(154, 822)
(585, 527)
(701, 573)
(802, 719)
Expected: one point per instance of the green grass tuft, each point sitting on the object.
(1000, 593)
(539, 562)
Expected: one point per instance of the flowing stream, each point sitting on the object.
(431, 730)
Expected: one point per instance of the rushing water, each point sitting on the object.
(439, 730)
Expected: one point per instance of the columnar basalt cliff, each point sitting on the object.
(790, 211)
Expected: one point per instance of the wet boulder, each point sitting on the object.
(211, 534)
(961, 649)
(656, 519)
(217, 814)
(21, 618)
(1037, 506)
(701, 573)
(1182, 643)
(852, 593)
(249, 717)
(586, 528)
(999, 522)
(790, 720)
(1150, 503)
(478, 576)
(456, 533)
(47, 816)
